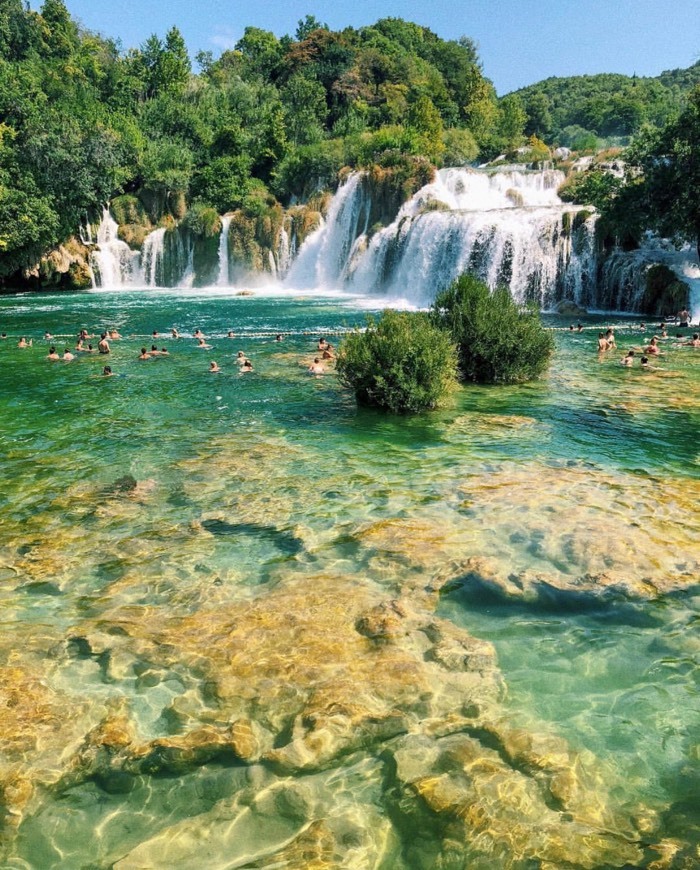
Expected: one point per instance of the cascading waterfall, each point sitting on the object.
(509, 227)
(223, 279)
(324, 256)
(113, 262)
(152, 258)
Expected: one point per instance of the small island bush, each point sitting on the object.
(498, 340)
(401, 362)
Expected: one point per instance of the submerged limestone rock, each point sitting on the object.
(465, 793)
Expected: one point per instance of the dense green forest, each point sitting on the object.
(269, 123)
(579, 111)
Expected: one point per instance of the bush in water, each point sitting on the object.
(498, 340)
(402, 362)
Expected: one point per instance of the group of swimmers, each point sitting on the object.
(245, 365)
(606, 342)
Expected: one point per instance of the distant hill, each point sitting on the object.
(608, 105)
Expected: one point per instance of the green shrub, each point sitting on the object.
(498, 340)
(203, 220)
(402, 362)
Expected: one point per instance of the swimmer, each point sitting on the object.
(571, 327)
(230, 334)
(579, 327)
(602, 343)
(322, 343)
(154, 350)
(214, 367)
(278, 337)
(52, 354)
(164, 352)
(113, 335)
(144, 354)
(107, 372)
(79, 344)
(647, 365)
(201, 343)
(154, 334)
(24, 343)
(246, 367)
(328, 352)
(610, 338)
(694, 341)
(684, 318)
(240, 358)
(198, 334)
(628, 360)
(174, 333)
(67, 355)
(3, 335)
(653, 346)
(47, 336)
(103, 344)
(317, 367)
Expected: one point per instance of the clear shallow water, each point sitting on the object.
(166, 491)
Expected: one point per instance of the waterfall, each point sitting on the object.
(323, 256)
(508, 227)
(223, 279)
(284, 253)
(152, 258)
(113, 262)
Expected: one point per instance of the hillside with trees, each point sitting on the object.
(273, 122)
(578, 111)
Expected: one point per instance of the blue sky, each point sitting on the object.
(520, 41)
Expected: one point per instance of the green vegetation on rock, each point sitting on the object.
(402, 362)
(498, 340)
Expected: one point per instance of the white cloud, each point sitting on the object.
(224, 38)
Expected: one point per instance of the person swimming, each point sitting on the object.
(103, 344)
(316, 368)
(628, 360)
(67, 355)
(653, 346)
(52, 354)
(24, 343)
(144, 354)
(107, 371)
(694, 341)
(240, 358)
(246, 367)
(214, 367)
(202, 343)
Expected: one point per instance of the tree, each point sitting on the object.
(498, 340)
(306, 26)
(402, 362)
(669, 163)
(305, 109)
(539, 116)
(511, 121)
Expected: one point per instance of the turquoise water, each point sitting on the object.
(109, 482)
